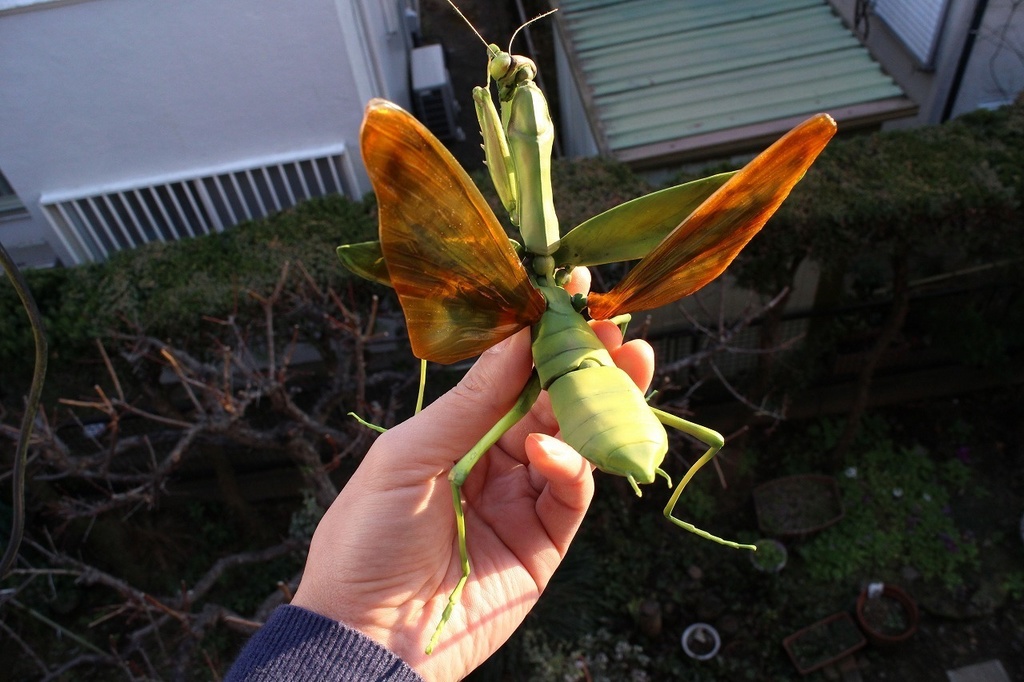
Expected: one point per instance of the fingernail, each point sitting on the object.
(554, 447)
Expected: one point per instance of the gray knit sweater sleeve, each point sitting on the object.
(296, 644)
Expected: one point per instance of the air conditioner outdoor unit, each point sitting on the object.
(433, 96)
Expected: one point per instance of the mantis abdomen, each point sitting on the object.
(601, 412)
(604, 416)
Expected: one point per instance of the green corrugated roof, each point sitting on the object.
(678, 78)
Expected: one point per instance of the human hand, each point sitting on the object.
(385, 557)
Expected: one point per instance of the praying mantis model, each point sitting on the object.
(464, 287)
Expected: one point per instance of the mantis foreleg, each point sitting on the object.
(497, 154)
(714, 441)
(517, 146)
(458, 475)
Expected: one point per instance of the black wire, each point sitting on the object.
(28, 419)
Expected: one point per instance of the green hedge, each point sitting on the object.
(166, 288)
(956, 187)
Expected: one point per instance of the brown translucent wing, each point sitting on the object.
(459, 281)
(700, 248)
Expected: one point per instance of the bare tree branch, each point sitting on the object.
(163, 406)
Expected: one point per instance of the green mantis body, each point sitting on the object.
(518, 148)
(435, 228)
(601, 411)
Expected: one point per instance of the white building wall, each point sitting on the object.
(102, 93)
(993, 72)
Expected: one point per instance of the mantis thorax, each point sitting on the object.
(563, 342)
(544, 267)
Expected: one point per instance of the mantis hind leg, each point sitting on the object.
(457, 477)
(714, 441)
(621, 321)
(419, 401)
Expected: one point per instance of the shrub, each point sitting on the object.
(166, 288)
(898, 514)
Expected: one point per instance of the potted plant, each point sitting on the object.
(887, 614)
(798, 506)
(824, 642)
(770, 556)
(701, 641)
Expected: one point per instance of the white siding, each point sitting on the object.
(102, 93)
(972, 65)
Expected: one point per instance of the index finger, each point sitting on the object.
(579, 281)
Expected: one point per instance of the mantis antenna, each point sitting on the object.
(468, 22)
(514, 34)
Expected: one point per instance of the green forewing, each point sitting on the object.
(365, 259)
(630, 230)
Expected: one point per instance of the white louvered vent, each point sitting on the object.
(918, 23)
(95, 224)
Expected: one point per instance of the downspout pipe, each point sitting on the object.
(965, 56)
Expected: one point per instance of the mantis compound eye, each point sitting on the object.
(499, 63)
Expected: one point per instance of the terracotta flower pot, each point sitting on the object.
(887, 614)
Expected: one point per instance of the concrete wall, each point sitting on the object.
(100, 93)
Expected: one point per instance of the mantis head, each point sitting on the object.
(508, 69)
